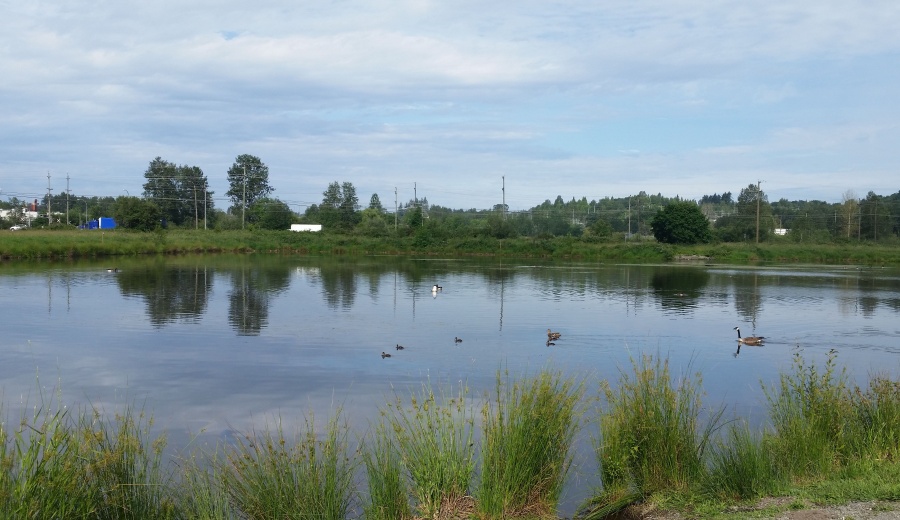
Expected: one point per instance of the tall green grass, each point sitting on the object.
(824, 435)
(528, 432)
(434, 438)
(811, 412)
(388, 489)
(55, 465)
(651, 436)
(271, 476)
(741, 466)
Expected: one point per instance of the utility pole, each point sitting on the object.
(205, 205)
(67, 199)
(244, 200)
(629, 217)
(758, 197)
(395, 208)
(48, 198)
(415, 197)
(196, 215)
(504, 197)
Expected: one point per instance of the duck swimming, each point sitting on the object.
(400, 347)
(457, 340)
(436, 288)
(384, 355)
(552, 335)
(754, 341)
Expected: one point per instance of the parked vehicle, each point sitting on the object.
(18, 227)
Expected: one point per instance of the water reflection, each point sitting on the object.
(678, 289)
(171, 293)
(253, 287)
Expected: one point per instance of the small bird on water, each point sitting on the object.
(457, 340)
(753, 341)
(384, 355)
(400, 347)
(552, 335)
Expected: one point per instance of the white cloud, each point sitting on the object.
(383, 93)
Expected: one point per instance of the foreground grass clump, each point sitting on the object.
(651, 436)
(270, 476)
(528, 433)
(826, 441)
(55, 465)
(434, 442)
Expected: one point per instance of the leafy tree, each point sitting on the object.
(339, 208)
(742, 226)
(136, 213)
(681, 223)
(178, 191)
(373, 223)
(875, 217)
(269, 213)
(248, 181)
(162, 188)
(375, 203)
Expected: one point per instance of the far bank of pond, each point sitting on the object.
(41, 244)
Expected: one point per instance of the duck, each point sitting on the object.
(457, 340)
(436, 288)
(750, 340)
(384, 355)
(552, 335)
(550, 343)
(112, 270)
(400, 347)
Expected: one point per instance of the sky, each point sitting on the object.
(465, 103)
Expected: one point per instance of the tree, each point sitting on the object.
(178, 191)
(752, 207)
(138, 214)
(375, 203)
(269, 213)
(340, 205)
(681, 223)
(162, 188)
(248, 181)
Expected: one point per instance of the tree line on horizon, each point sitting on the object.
(178, 196)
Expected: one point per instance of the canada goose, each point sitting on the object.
(552, 335)
(436, 288)
(400, 347)
(384, 355)
(750, 340)
(457, 340)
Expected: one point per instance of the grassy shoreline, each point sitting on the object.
(71, 244)
(826, 441)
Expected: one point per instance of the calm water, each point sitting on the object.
(215, 345)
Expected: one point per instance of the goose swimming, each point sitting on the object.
(754, 341)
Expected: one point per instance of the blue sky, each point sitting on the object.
(572, 98)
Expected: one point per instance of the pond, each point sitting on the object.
(213, 346)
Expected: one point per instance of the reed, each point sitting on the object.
(651, 437)
(878, 415)
(528, 433)
(742, 466)
(270, 476)
(388, 493)
(88, 466)
(435, 443)
(201, 488)
(812, 415)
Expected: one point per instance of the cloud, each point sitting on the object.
(385, 93)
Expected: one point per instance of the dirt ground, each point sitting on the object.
(851, 511)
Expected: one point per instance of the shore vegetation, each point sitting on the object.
(431, 455)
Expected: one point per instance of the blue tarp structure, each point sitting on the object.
(102, 223)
